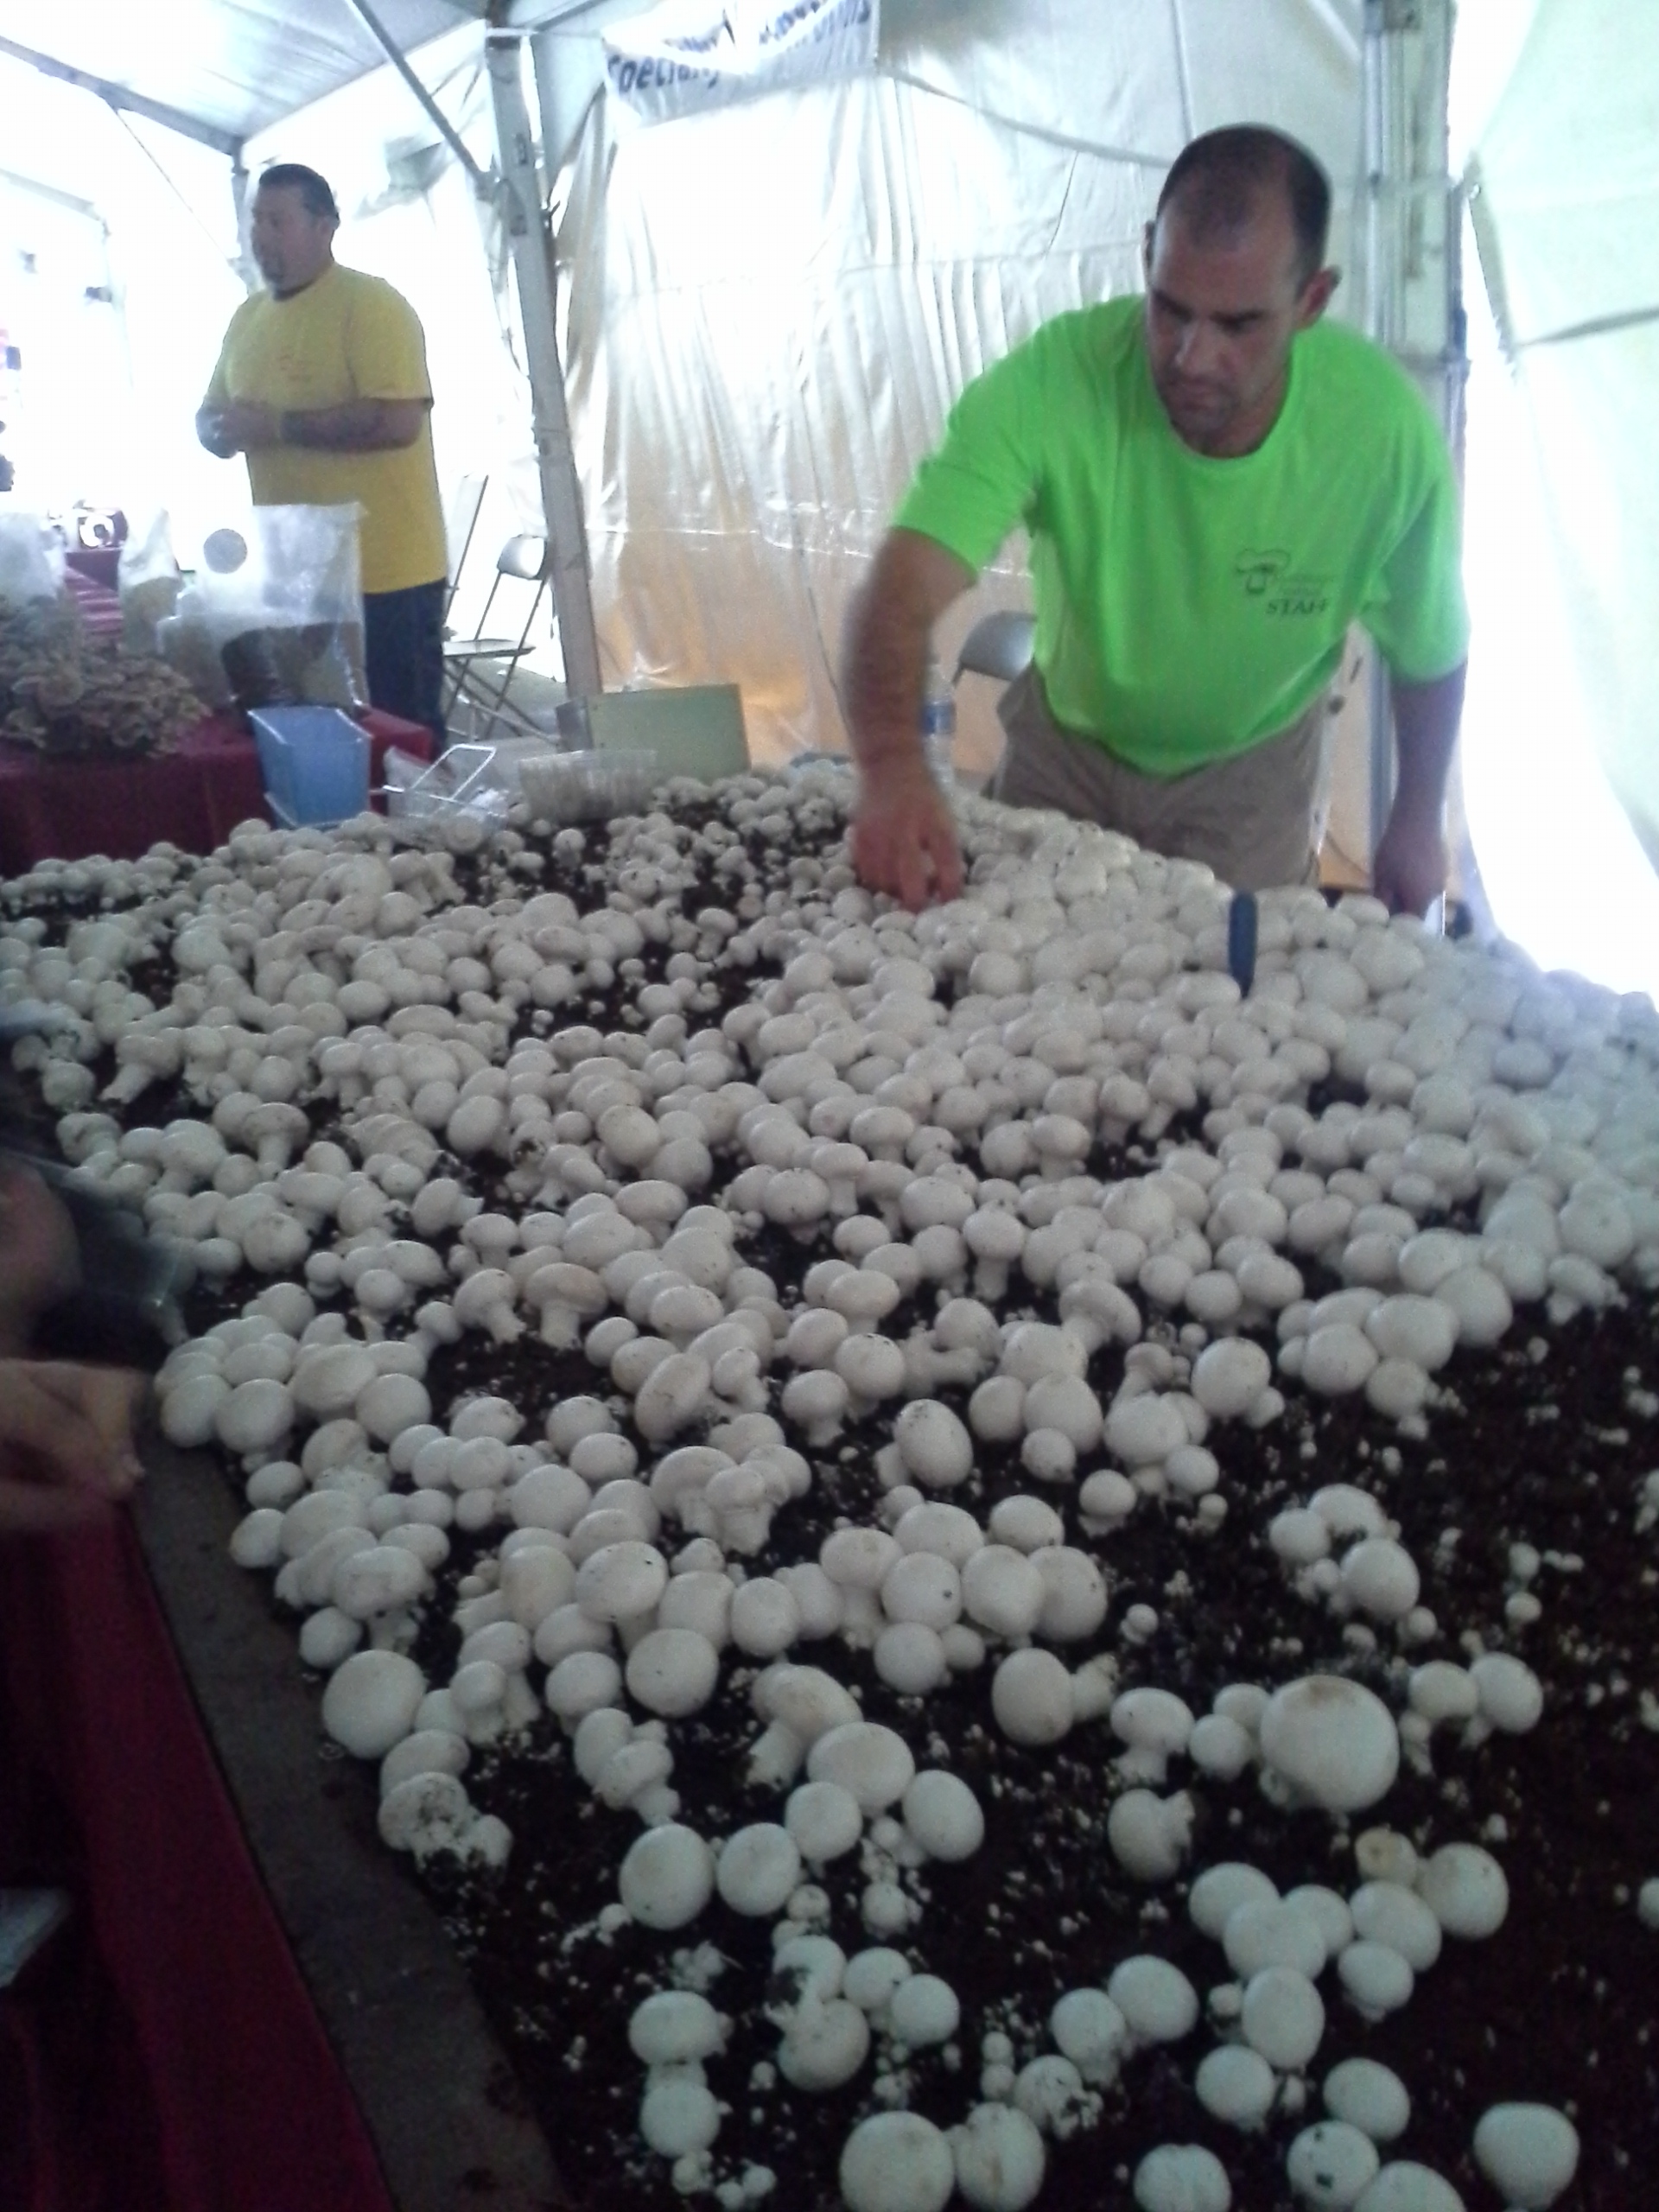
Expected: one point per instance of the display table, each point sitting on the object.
(193, 797)
(179, 2047)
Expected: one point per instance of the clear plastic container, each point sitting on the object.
(315, 761)
(567, 787)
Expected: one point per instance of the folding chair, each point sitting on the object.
(998, 644)
(459, 524)
(478, 670)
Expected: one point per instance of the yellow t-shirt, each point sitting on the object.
(347, 336)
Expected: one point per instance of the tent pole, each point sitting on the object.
(249, 274)
(1413, 308)
(533, 257)
(440, 122)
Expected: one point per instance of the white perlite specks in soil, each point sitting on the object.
(976, 1566)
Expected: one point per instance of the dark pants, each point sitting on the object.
(402, 649)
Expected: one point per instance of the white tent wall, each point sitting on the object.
(122, 430)
(1564, 189)
(773, 306)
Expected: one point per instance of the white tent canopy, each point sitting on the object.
(769, 307)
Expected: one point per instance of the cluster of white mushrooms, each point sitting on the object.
(402, 1127)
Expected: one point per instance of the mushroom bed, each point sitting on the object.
(980, 1572)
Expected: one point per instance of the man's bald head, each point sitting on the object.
(1218, 183)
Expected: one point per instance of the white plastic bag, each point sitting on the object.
(31, 559)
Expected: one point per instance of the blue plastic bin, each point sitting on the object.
(315, 761)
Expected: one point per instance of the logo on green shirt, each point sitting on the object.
(1266, 575)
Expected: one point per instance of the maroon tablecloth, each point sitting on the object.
(194, 797)
(163, 2056)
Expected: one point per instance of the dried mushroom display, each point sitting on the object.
(64, 692)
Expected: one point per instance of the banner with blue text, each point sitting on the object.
(687, 55)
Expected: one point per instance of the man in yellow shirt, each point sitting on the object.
(321, 385)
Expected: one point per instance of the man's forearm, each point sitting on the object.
(1426, 719)
(355, 426)
(885, 662)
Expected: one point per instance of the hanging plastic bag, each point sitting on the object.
(147, 577)
(281, 598)
(31, 559)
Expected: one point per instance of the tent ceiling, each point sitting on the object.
(231, 66)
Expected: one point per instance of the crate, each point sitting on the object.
(315, 761)
(569, 787)
(691, 729)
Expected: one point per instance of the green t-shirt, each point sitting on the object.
(1188, 608)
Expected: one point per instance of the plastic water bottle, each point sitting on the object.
(939, 723)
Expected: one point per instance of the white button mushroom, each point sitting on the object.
(1155, 1998)
(1466, 1890)
(1369, 2097)
(1283, 2018)
(1031, 1697)
(667, 1877)
(1236, 2085)
(1404, 2186)
(999, 2159)
(1528, 2152)
(1182, 2178)
(897, 2162)
(757, 1868)
(1332, 1740)
(371, 1701)
(1330, 2164)
(1091, 2031)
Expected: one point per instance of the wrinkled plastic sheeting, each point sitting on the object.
(773, 307)
(1568, 222)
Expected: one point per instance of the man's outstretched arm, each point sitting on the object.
(1409, 868)
(904, 840)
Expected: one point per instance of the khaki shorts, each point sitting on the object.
(1257, 819)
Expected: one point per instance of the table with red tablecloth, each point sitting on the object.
(251, 2009)
(193, 797)
(163, 2056)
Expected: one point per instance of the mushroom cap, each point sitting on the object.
(1404, 2186)
(872, 1762)
(678, 2115)
(1528, 2152)
(1333, 1741)
(936, 1448)
(1466, 1891)
(1000, 2158)
(1031, 1697)
(1156, 1998)
(1181, 2177)
(825, 1819)
(667, 1877)
(1330, 2163)
(943, 1816)
(1368, 2096)
(1283, 2018)
(1236, 2084)
(672, 1671)
(897, 2162)
(824, 2044)
(675, 2027)
(757, 1868)
(371, 1701)
(1092, 2032)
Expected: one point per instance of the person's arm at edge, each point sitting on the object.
(903, 839)
(1409, 866)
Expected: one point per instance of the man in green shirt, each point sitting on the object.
(1215, 483)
